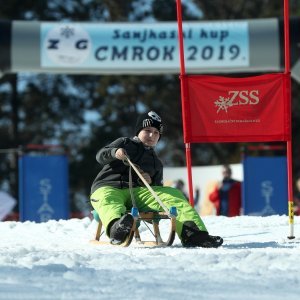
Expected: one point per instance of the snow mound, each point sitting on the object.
(54, 260)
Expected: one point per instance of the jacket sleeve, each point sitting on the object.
(158, 178)
(108, 153)
(214, 196)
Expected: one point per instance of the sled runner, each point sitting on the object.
(152, 217)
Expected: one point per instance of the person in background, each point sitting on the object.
(7, 203)
(112, 187)
(227, 196)
(80, 204)
(180, 185)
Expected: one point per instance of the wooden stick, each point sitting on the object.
(147, 185)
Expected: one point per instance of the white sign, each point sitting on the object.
(125, 46)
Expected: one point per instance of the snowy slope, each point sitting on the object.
(54, 260)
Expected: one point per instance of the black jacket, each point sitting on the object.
(116, 174)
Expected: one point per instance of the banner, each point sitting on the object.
(143, 46)
(265, 192)
(223, 109)
(43, 187)
(224, 46)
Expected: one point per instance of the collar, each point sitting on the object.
(135, 138)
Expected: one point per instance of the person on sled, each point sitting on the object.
(110, 191)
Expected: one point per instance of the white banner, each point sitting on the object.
(126, 46)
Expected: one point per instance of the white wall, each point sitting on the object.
(202, 176)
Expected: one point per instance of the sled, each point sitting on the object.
(150, 217)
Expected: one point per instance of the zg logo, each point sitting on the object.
(67, 45)
(237, 98)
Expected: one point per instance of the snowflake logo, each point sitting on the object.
(67, 32)
(224, 103)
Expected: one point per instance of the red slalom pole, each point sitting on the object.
(287, 71)
(183, 101)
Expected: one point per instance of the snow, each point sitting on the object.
(54, 260)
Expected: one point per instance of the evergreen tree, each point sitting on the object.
(85, 112)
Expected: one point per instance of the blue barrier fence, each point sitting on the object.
(43, 187)
(265, 190)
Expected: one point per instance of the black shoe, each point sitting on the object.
(212, 242)
(192, 236)
(120, 229)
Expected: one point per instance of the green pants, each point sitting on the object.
(111, 203)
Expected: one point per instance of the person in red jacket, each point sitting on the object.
(227, 196)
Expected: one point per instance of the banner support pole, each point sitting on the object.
(287, 71)
(183, 100)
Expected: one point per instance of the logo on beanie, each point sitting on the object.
(154, 116)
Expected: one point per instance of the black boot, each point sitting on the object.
(192, 236)
(120, 229)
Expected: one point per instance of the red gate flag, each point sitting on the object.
(226, 109)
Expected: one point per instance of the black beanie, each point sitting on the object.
(150, 119)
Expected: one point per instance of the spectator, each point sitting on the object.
(80, 205)
(226, 196)
(180, 185)
(7, 204)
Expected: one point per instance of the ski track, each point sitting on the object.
(54, 260)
